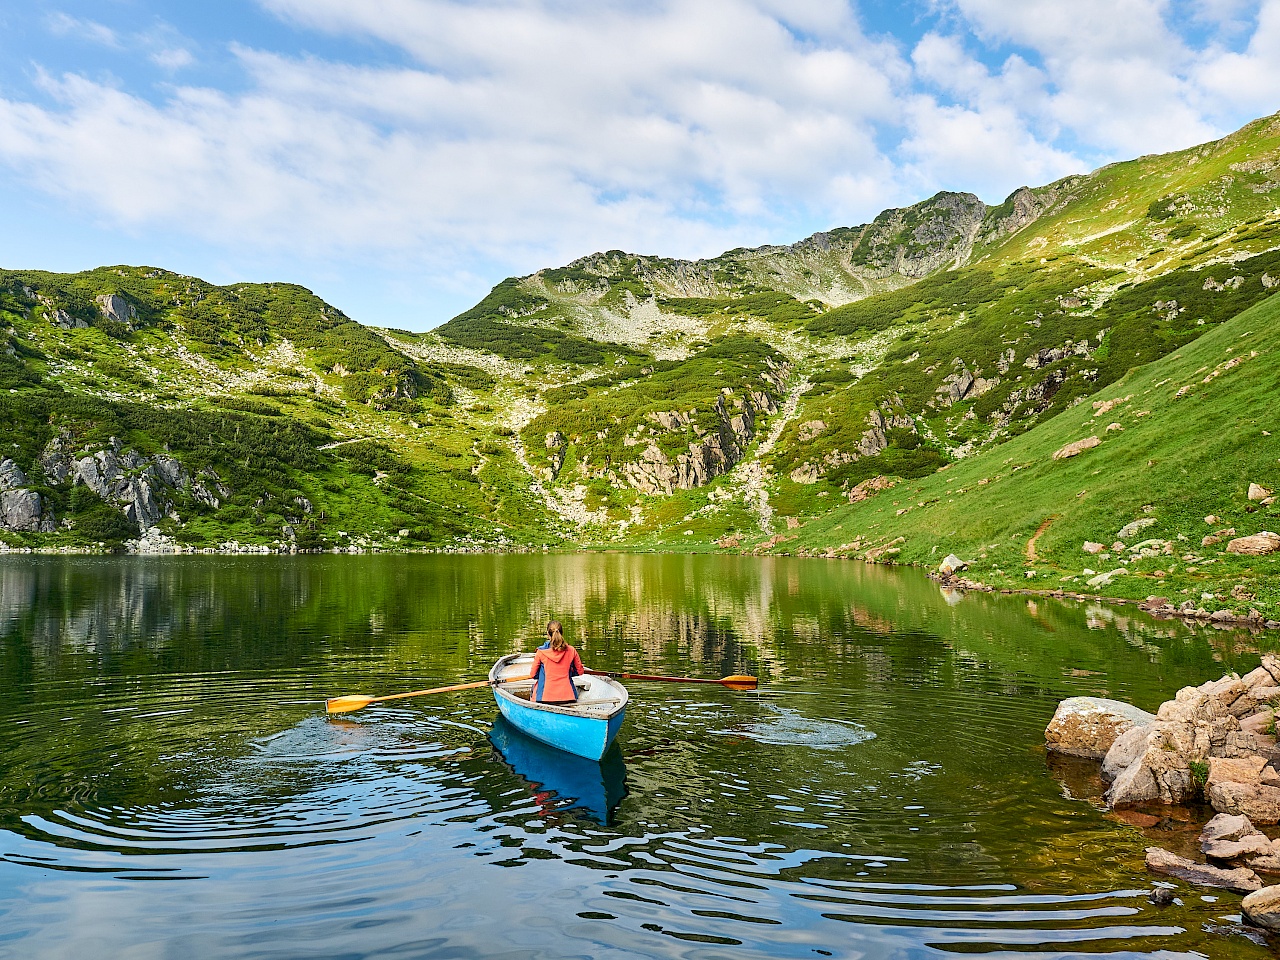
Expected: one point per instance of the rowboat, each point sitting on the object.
(585, 728)
(560, 781)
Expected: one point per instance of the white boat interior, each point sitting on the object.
(597, 696)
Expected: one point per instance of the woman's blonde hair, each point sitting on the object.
(555, 632)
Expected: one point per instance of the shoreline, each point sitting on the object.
(1165, 610)
(1157, 607)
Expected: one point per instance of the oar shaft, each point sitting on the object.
(423, 693)
(650, 676)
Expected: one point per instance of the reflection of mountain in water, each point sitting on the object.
(716, 615)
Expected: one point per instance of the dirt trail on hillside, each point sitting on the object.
(1031, 544)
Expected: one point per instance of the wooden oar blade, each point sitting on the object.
(347, 704)
(740, 681)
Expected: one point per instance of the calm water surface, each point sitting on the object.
(171, 788)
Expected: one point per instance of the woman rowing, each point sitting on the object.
(555, 664)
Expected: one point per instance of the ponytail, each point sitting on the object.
(555, 633)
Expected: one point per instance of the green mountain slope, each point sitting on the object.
(639, 401)
(255, 413)
(1179, 442)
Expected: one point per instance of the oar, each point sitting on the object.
(736, 682)
(357, 701)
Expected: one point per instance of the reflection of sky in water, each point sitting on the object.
(789, 728)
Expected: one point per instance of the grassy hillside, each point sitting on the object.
(1181, 439)
(317, 430)
(729, 403)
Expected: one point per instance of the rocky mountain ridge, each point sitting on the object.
(622, 399)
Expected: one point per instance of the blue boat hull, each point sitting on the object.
(582, 736)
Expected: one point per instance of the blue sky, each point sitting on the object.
(401, 157)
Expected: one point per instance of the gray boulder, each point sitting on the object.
(1127, 748)
(11, 475)
(22, 511)
(1089, 726)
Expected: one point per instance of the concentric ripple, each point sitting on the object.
(885, 794)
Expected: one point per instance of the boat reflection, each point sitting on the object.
(560, 781)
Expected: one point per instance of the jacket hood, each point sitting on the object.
(555, 656)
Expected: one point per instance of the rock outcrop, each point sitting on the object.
(117, 308)
(21, 509)
(1217, 739)
(138, 486)
(711, 453)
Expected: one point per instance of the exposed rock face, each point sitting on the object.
(1239, 880)
(709, 456)
(1027, 206)
(890, 416)
(1258, 545)
(556, 445)
(1089, 726)
(117, 308)
(21, 510)
(136, 485)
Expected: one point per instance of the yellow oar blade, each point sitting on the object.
(347, 704)
(740, 681)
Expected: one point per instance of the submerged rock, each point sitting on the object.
(1237, 880)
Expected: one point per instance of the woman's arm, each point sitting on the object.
(537, 662)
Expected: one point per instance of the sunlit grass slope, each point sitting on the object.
(1185, 437)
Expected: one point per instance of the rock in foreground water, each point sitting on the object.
(1262, 908)
(1238, 880)
(1089, 726)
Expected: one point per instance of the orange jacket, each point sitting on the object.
(555, 672)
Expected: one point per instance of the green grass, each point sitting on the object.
(1176, 460)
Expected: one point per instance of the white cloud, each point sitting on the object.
(1250, 78)
(519, 133)
(64, 25)
(172, 58)
(526, 132)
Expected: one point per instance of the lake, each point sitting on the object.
(171, 787)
